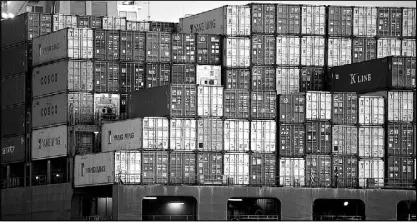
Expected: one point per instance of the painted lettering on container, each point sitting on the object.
(7, 150)
(211, 24)
(49, 48)
(126, 136)
(49, 142)
(52, 78)
(355, 78)
(96, 169)
(49, 111)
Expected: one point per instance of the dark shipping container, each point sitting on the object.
(142, 26)
(263, 105)
(90, 21)
(132, 46)
(263, 78)
(291, 108)
(236, 79)
(263, 49)
(132, 77)
(263, 18)
(161, 26)
(318, 137)
(389, 22)
(340, 21)
(182, 168)
(157, 75)
(345, 108)
(400, 172)
(18, 59)
(106, 44)
(171, 100)
(210, 168)
(13, 121)
(13, 149)
(183, 48)
(401, 140)
(106, 77)
(345, 172)
(292, 140)
(124, 105)
(311, 79)
(236, 103)
(210, 135)
(208, 49)
(363, 49)
(158, 47)
(288, 19)
(318, 170)
(394, 72)
(344, 140)
(183, 74)
(13, 90)
(155, 167)
(262, 170)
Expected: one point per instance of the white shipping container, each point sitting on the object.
(236, 52)
(209, 75)
(236, 135)
(122, 135)
(409, 22)
(62, 76)
(288, 50)
(388, 47)
(408, 47)
(50, 142)
(292, 172)
(312, 50)
(364, 21)
(183, 134)
(210, 101)
(371, 142)
(75, 43)
(106, 104)
(263, 136)
(371, 110)
(230, 20)
(313, 20)
(288, 80)
(339, 51)
(155, 133)
(236, 167)
(400, 105)
(61, 21)
(371, 171)
(114, 23)
(318, 105)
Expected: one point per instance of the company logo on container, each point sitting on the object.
(126, 136)
(50, 110)
(7, 150)
(211, 24)
(96, 169)
(49, 142)
(49, 48)
(52, 78)
(355, 78)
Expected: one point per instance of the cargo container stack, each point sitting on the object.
(408, 46)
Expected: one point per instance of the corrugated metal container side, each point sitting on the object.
(236, 79)
(67, 43)
(408, 47)
(312, 78)
(312, 50)
(171, 100)
(122, 135)
(263, 170)
(345, 169)
(50, 142)
(18, 59)
(183, 134)
(45, 24)
(106, 45)
(13, 90)
(389, 22)
(292, 140)
(263, 78)
(263, 136)
(388, 47)
(157, 74)
(236, 168)
(142, 26)
(183, 48)
(318, 137)
(161, 26)
(371, 142)
(409, 22)
(132, 46)
(210, 135)
(208, 49)
(236, 135)
(345, 108)
(288, 80)
(106, 104)
(318, 170)
(374, 75)
(288, 50)
(13, 149)
(313, 20)
(371, 173)
(363, 49)
(127, 167)
(124, 104)
(155, 133)
(263, 105)
(209, 168)
(236, 52)
(401, 140)
(209, 75)
(340, 21)
(371, 110)
(209, 101)
(236, 103)
(263, 49)
(114, 23)
(61, 21)
(62, 108)
(132, 77)
(400, 172)
(263, 18)
(106, 77)
(288, 19)
(292, 172)
(318, 105)
(62, 76)
(13, 121)
(158, 47)
(344, 140)
(155, 167)
(364, 21)
(182, 168)
(183, 74)
(291, 108)
(90, 21)
(339, 51)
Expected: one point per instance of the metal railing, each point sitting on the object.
(254, 217)
(338, 217)
(12, 182)
(39, 180)
(169, 217)
(96, 217)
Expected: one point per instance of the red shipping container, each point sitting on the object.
(345, 171)
(210, 168)
(363, 49)
(106, 77)
(401, 140)
(237, 79)
(183, 74)
(90, 21)
(263, 105)
(208, 49)
(182, 168)
(263, 78)
(158, 47)
(132, 77)
(132, 46)
(389, 22)
(288, 19)
(291, 140)
(155, 167)
(340, 21)
(106, 44)
(311, 79)
(18, 59)
(345, 108)
(183, 48)
(263, 49)
(344, 140)
(400, 172)
(262, 170)
(318, 137)
(236, 103)
(157, 75)
(291, 108)
(318, 170)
